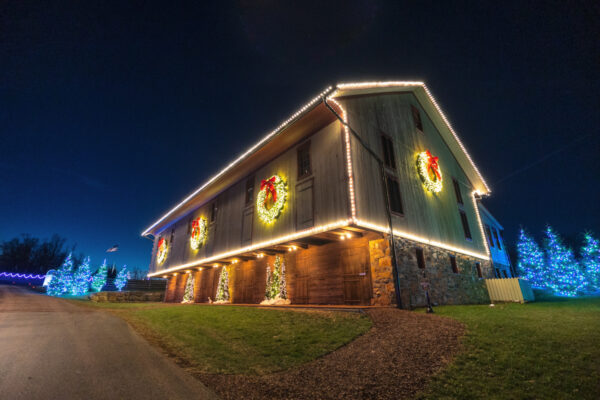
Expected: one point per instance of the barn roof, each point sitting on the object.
(309, 117)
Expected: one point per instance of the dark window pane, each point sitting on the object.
(453, 264)
(394, 195)
(496, 236)
(488, 233)
(465, 224)
(172, 237)
(505, 274)
(304, 161)
(417, 118)
(388, 152)
(249, 190)
(478, 266)
(498, 273)
(420, 258)
(457, 192)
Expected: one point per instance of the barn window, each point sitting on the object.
(213, 212)
(172, 237)
(497, 237)
(304, 160)
(498, 275)
(388, 151)
(417, 118)
(505, 274)
(465, 224)
(457, 192)
(488, 233)
(420, 258)
(478, 266)
(394, 195)
(453, 264)
(249, 190)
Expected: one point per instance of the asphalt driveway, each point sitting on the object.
(51, 349)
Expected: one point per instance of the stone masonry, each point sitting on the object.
(445, 286)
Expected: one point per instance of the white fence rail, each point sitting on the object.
(510, 290)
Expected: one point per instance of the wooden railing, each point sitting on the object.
(509, 290)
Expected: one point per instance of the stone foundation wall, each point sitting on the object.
(126, 297)
(445, 286)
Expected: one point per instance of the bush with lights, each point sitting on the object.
(99, 278)
(122, 277)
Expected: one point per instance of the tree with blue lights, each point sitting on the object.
(99, 278)
(81, 278)
(564, 276)
(531, 263)
(62, 279)
(122, 277)
(590, 260)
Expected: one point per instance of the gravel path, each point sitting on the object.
(394, 360)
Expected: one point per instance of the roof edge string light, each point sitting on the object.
(349, 167)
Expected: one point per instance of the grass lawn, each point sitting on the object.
(542, 350)
(240, 340)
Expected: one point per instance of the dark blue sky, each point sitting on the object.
(111, 112)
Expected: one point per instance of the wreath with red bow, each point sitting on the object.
(271, 198)
(161, 253)
(429, 171)
(198, 235)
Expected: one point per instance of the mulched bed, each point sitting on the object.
(394, 360)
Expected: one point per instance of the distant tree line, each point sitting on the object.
(27, 254)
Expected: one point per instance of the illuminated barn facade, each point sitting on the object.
(319, 193)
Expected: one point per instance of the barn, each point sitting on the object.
(322, 198)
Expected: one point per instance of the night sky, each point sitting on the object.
(112, 112)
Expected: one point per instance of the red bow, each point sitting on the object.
(161, 242)
(195, 224)
(432, 163)
(270, 185)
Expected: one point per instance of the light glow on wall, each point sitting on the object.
(267, 243)
(421, 239)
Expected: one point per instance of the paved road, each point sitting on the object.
(51, 349)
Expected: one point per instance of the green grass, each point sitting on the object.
(241, 340)
(542, 350)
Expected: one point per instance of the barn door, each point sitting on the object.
(356, 275)
(249, 285)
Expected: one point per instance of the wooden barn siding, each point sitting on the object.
(336, 273)
(330, 201)
(433, 216)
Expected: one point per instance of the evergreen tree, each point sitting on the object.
(223, 287)
(81, 278)
(62, 280)
(282, 283)
(122, 277)
(531, 262)
(268, 286)
(188, 296)
(99, 278)
(564, 276)
(275, 279)
(590, 260)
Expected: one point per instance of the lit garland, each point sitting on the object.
(198, 236)
(276, 188)
(21, 276)
(427, 166)
(161, 254)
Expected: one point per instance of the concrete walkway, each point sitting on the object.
(51, 349)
